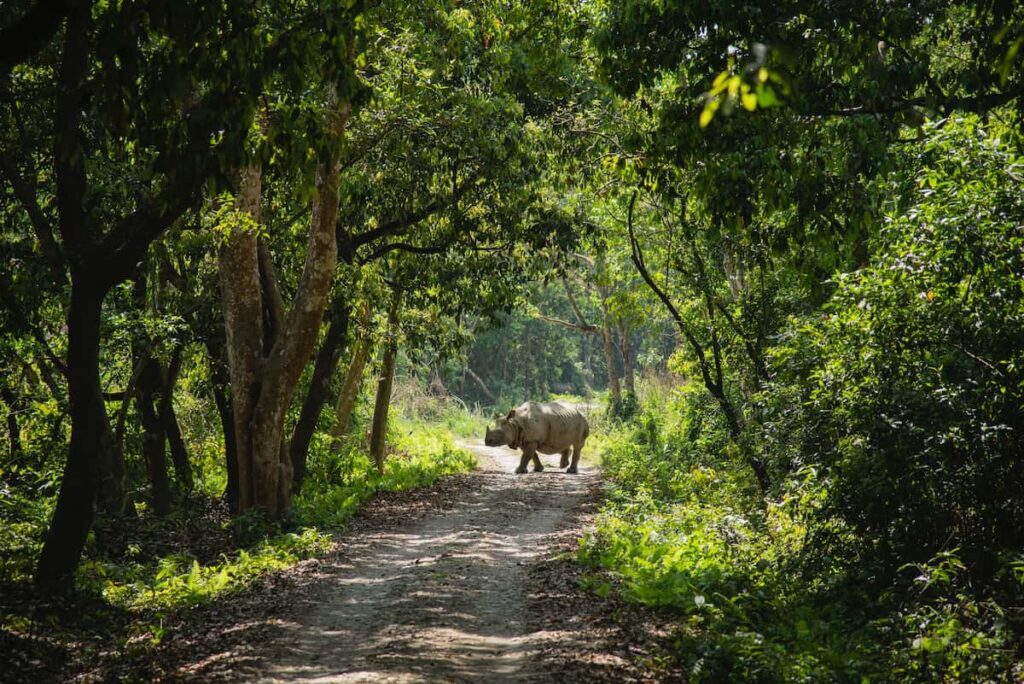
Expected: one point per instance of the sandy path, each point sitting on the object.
(443, 598)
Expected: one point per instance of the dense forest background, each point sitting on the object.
(260, 261)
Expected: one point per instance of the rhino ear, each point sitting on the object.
(510, 414)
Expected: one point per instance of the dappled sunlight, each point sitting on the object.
(443, 599)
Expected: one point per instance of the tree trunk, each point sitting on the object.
(611, 361)
(169, 420)
(263, 387)
(628, 374)
(319, 389)
(609, 352)
(153, 437)
(735, 423)
(112, 488)
(74, 512)
(378, 434)
(179, 451)
(350, 390)
(711, 371)
(222, 399)
(243, 327)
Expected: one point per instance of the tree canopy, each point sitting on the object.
(781, 242)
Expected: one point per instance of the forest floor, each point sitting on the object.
(473, 593)
(469, 580)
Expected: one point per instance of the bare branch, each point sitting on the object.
(582, 327)
(480, 383)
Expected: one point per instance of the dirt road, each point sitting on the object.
(444, 598)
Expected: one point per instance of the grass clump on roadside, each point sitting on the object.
(179, 581)
(419, 455)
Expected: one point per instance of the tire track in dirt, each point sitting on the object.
(444, 598)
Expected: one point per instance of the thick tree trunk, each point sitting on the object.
(243, 327)
(319, 389)
(263, 387)
(73, 515)
(350, 391)
(378, 434)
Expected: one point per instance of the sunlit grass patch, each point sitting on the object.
(419, 458)
(178, 581)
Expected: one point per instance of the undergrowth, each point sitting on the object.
(162, 564)
(178, 580)
(338, 484)
(683, 530)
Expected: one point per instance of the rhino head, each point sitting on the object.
(503, 432)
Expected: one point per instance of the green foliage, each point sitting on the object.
(24, 517)
(914, 378)
(177, 581)
(890, 549)
(825, 196)
(421, 450)
(340, 482)
(685, 537)
(681, 531)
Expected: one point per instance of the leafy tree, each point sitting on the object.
(911, 379)
(141, 125)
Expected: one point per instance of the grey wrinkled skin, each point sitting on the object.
(550, 427)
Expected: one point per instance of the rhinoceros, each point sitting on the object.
(548, 427)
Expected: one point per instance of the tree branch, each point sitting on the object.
(401, 224)
(68, 155)
(480, 383)
(273, 300)
(26, 196)
(406, 247)
(582, 327)
(575, 306)
(975, 103)
(10, 302)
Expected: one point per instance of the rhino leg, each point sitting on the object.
(565, 458)
(575, 460)
(538, 467)
(529, 451)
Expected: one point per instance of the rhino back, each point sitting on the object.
(553, 423)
